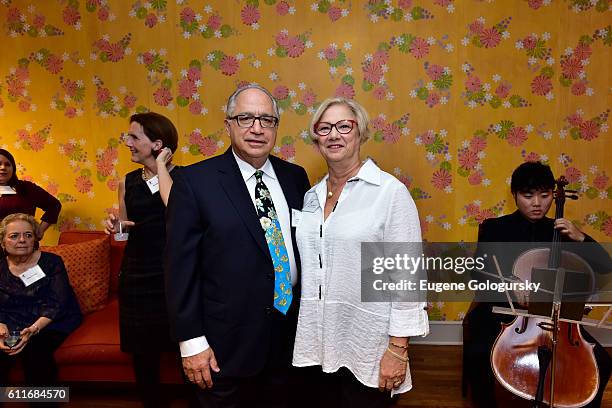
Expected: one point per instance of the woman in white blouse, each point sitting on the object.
(361, 347)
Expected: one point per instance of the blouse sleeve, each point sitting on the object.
(46, 202)
(59, 292)
(403, 225)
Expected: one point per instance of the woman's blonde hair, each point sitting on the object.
(361, 116)
(20, 217)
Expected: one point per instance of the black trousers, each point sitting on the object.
(147, 372)
(482, 329)
(339, 390)
(40, 369)
(36, 358)
(269, 389)
(275, 386)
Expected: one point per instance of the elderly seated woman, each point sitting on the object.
(38, 308)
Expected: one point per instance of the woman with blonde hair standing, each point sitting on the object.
(361, 347)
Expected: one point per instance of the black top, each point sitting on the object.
(29, 197)
(516, 228)
(51, 296)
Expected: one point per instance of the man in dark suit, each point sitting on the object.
(232, 264)
(532, 186)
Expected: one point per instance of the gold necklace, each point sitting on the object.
(330, 192)
(144, 175)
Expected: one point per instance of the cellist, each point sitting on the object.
(532, 185)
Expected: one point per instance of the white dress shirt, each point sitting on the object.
(197, 345)
(335, 328)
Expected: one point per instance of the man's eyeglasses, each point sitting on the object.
(342, 126)
(246, 121)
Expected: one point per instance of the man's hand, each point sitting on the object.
(568, 229)
(197, 368)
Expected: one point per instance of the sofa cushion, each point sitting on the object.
(117, 247)
(95, 341)
(88, 266)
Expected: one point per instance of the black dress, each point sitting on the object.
(143, 320)
(482, 326)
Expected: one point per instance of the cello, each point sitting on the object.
(541, 359)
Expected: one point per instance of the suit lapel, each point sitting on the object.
(234, 186)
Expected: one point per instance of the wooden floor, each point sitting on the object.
(436, 376)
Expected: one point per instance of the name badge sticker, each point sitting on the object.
(153, 184)
(32, 275)
(312, 202)
(296, 217)
(7, 190)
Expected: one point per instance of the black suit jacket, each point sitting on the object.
(219, 272)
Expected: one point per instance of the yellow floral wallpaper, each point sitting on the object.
(459, 91)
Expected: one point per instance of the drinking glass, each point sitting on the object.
(13, 338)
(123, 234)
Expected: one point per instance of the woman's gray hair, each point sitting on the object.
(361, 116)
(20, 217)
(231, 101)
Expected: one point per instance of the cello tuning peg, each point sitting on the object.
(572, 196)
(571, 191)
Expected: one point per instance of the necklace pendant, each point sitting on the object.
(330, 194)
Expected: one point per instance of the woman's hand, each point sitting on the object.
(23, 341)
(393, 368)
(111, 224)
(164, 157)
(3, 334)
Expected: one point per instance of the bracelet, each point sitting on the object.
(394, 354)
(399, 345)
(36, 327)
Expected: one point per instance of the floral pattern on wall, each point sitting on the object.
(459, 93)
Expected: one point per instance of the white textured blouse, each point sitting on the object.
(335, 328)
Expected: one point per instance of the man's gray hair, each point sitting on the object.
(231, 102)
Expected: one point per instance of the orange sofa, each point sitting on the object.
(91, 352)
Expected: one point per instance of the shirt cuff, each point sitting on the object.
(409, 322)
(194, 346)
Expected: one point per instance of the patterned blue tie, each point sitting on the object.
(268, 219)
